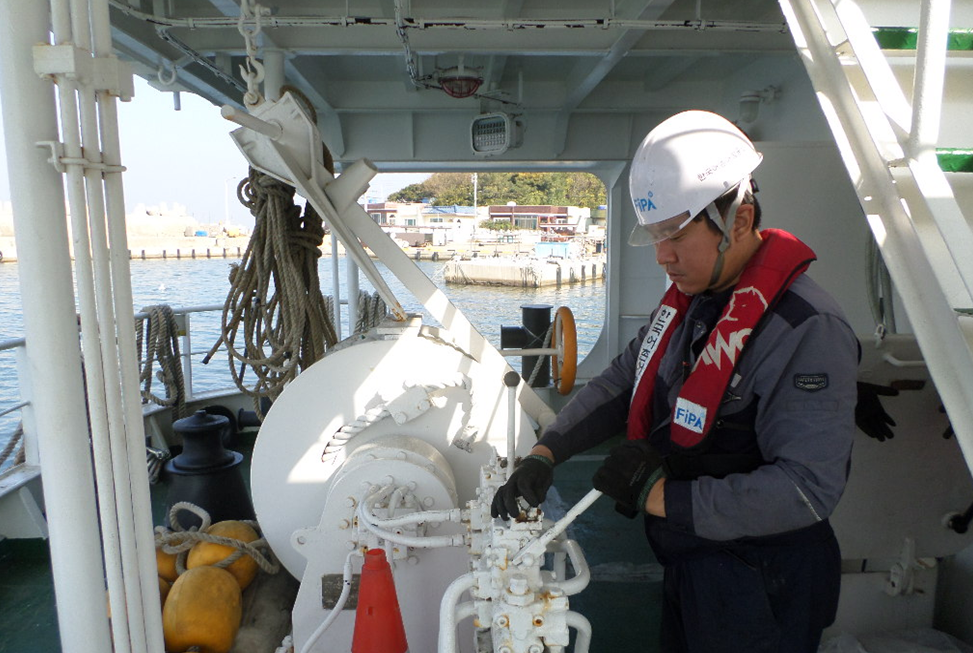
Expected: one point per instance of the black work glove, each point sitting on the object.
(870, 416)
(628, 474)
(531, 480)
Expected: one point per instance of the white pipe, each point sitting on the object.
(540, 351)
(927, 90)
(271, 130)
(94, 367)
(560, 568)
(125, 332)
(273, 73)
(49, 319)
(582, 574)
(581, 624)
(67, 22)
(448, 611)
(336, 287)
(351, 271)
(108, 336)
(337, 608)
(511, 424)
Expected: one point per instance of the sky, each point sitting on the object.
(186, 157)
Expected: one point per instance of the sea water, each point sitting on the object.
(202, 282)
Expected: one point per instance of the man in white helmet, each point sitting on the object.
(738, 401)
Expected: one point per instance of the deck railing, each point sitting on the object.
(197, 380)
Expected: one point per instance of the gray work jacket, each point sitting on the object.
(793, 405)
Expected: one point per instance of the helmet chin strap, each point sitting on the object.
(725, 225)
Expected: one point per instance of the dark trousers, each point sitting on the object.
(768, 595)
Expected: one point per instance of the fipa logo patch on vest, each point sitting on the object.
(689, 415)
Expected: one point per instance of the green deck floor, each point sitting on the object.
(623, 600)
(28, 619)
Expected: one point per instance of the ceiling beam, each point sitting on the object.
(586, 77)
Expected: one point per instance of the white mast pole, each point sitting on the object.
(51, 326)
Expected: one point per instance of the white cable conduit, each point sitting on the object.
(448, 611)
(338, 606)
(215, 22)
(49, 316)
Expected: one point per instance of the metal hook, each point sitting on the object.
(167, 73)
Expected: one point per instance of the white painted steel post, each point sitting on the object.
(51, 327)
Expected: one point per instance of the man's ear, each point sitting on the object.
(743, 221)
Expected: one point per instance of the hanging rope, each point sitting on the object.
(161, 344)
(15, 439)
(371, 311)
(274, 305)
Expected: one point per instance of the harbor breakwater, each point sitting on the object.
(199, 247)
(160, 248)
(524, 272)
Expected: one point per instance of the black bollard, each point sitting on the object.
(205, 473)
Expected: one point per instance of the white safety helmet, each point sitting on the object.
(682, 167)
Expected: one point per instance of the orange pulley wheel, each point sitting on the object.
(564, 340)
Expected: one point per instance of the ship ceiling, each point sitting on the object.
(559, 58)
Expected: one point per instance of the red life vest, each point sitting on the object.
(771, 270)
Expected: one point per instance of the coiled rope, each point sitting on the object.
(179, 541)
(160, 335)
(275, 303)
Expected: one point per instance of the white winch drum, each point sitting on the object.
(289, 481)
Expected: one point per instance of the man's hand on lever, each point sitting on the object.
(531, 479)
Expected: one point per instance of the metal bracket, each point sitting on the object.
(61, 162)
(71, 62)
(57, 154)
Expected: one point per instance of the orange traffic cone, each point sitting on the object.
(378, 621)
